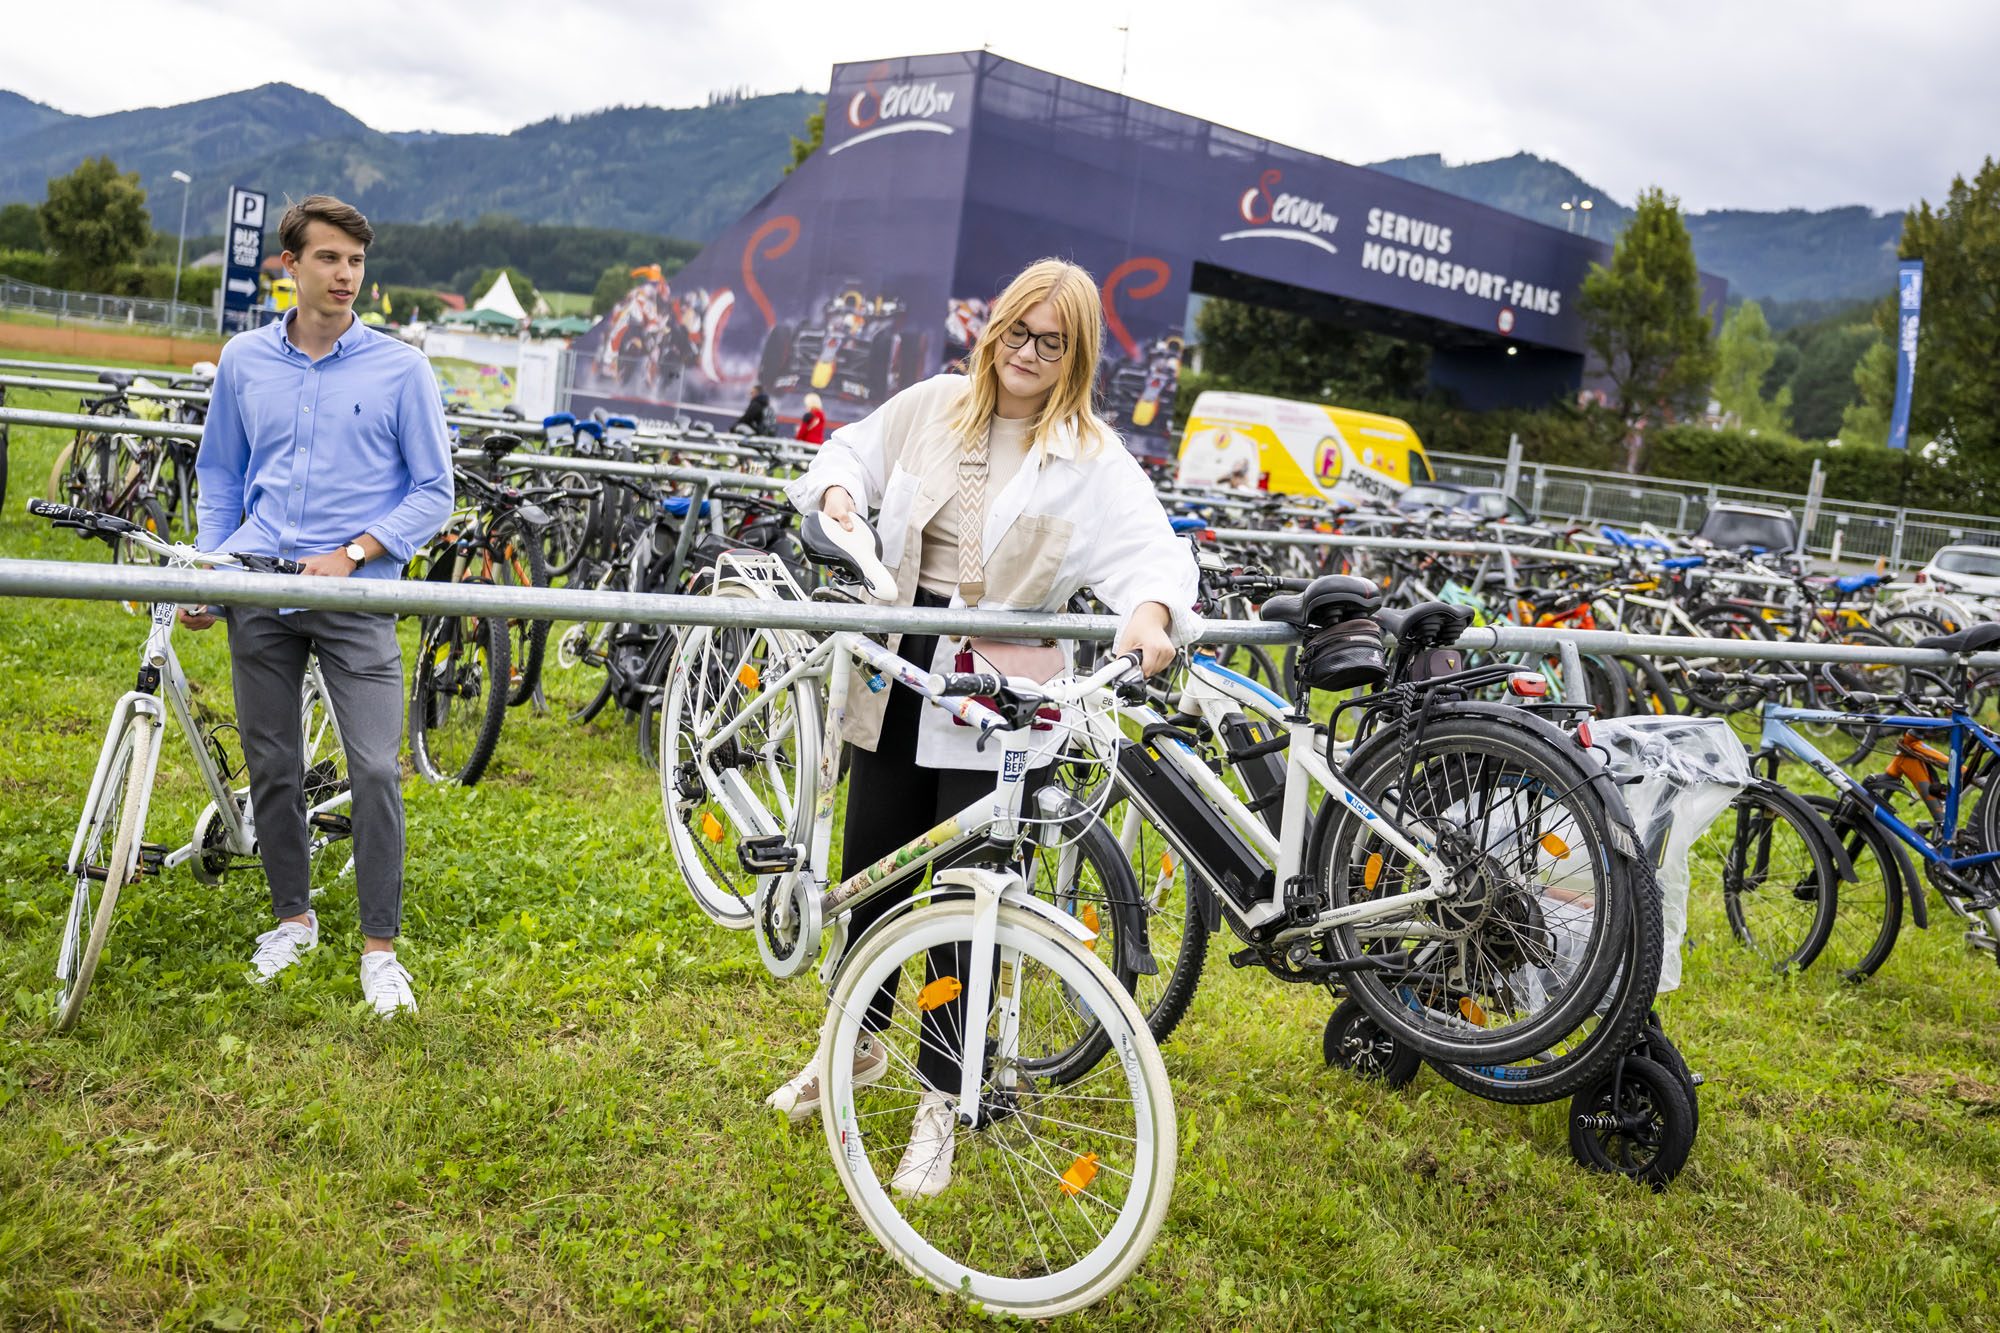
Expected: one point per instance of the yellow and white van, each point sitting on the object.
(1274, 444)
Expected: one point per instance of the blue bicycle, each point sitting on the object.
(1941, 755)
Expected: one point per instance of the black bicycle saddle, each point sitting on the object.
(1436, 623)
(119, 379)
(1327, 600)
(1971, 639)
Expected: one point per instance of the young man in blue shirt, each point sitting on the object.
(325, 443)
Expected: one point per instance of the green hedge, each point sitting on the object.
(1854, 470)
(151, 280)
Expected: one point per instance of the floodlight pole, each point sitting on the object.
(180, 248)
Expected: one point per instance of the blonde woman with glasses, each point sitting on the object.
(1000, 489)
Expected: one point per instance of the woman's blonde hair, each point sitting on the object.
(811, 401)
(1073, 293)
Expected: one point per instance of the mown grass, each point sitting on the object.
(570, 1136)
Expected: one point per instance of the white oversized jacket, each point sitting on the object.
(1064, 523)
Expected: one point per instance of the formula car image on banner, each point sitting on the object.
(656, 337)
(1138, 392)
(857, 348)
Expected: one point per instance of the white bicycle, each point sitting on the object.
(1065, 1161)
(109, 850)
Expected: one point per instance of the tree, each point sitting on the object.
(94, 220)
(611, 287)
(1744, 356)
(815, 136)
(1254, 350)
(1957, 385)
(1643, 318)
(1866, 419)
(20, 227)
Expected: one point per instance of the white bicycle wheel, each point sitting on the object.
(1060, 1191)
(759, 784)
(120, 812)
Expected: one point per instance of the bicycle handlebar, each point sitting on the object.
(113, 529)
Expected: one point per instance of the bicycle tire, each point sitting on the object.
(1648, 688)
(1119, 1147)
(708, 680)
(1868, 916)
(1517, 777)
(123, 796)
(526, 638)
(151, 517)
(1090, 879)
(461, 667)
(1717, 621)
(1580, 1059)
(1355, 1042)
(1165, 875)
(1789, 938)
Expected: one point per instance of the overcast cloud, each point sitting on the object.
(1750, 104)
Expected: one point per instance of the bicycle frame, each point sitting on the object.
(1777, 733)
(1213, 690)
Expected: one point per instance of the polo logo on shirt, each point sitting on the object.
(357, 409)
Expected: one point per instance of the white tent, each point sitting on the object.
(500, 297)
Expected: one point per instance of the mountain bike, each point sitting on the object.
(1065, 1161)
(109, 851)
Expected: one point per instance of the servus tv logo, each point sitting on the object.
(895, 108)
(1284, 217)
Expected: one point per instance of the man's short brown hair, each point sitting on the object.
(322, 208)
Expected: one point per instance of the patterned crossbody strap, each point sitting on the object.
(972, 468)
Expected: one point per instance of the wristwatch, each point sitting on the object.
(356, 552)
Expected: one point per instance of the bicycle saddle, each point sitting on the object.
(1327, 600)
(1856, 582)
(1684, 562)
(678, 506)
(1436, 623)
(1971, 639)
(1186, 523)
(857, 553)
(117, 378)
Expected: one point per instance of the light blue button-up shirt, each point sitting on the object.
(300, 457)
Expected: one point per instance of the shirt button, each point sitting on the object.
(308, 407)
(298, 487)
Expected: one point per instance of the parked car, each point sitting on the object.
(1740, 527)
(1483, 501)
(1967, 569)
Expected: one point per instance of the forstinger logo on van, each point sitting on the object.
(1283, 216)
(895, 108)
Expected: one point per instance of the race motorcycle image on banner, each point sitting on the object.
(655, 339)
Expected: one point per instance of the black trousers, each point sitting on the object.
(891, 800)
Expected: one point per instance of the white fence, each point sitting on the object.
(176, 317)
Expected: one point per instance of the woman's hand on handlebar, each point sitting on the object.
(838, 505)
(198, 618)
(1146, 632)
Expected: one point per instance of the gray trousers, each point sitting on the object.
(363, 668)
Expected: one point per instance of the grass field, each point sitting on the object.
(570, 1137)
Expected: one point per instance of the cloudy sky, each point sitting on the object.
(1729, 103)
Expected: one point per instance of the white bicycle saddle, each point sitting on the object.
(860, 550)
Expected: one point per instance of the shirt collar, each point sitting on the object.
(346, 342)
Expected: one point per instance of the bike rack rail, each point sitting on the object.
(108, 582)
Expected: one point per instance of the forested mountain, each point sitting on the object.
(680, 172)
(691, 171)
(1839, 254)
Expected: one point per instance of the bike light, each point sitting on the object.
(1583, 735)
(1528, 685)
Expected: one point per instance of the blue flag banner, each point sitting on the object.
(1909, 302)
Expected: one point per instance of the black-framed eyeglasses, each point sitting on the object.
(1048, 346)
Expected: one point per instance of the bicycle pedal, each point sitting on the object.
(326, 821)
(152, 856)
(770, 855)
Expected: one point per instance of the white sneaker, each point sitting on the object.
(385, 983)
(279, 948)
(799, 1099)
(926, 1166)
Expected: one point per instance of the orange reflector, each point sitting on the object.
(1373, 872)
(1089, 916)
(942, 991)
(1166, 863)
(1554, 846)
(747, 677)
(1081, 1172)
(711, 827)
(1473, 1013)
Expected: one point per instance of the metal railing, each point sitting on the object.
(176, 317)
(107, 582)
(1840, 529)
